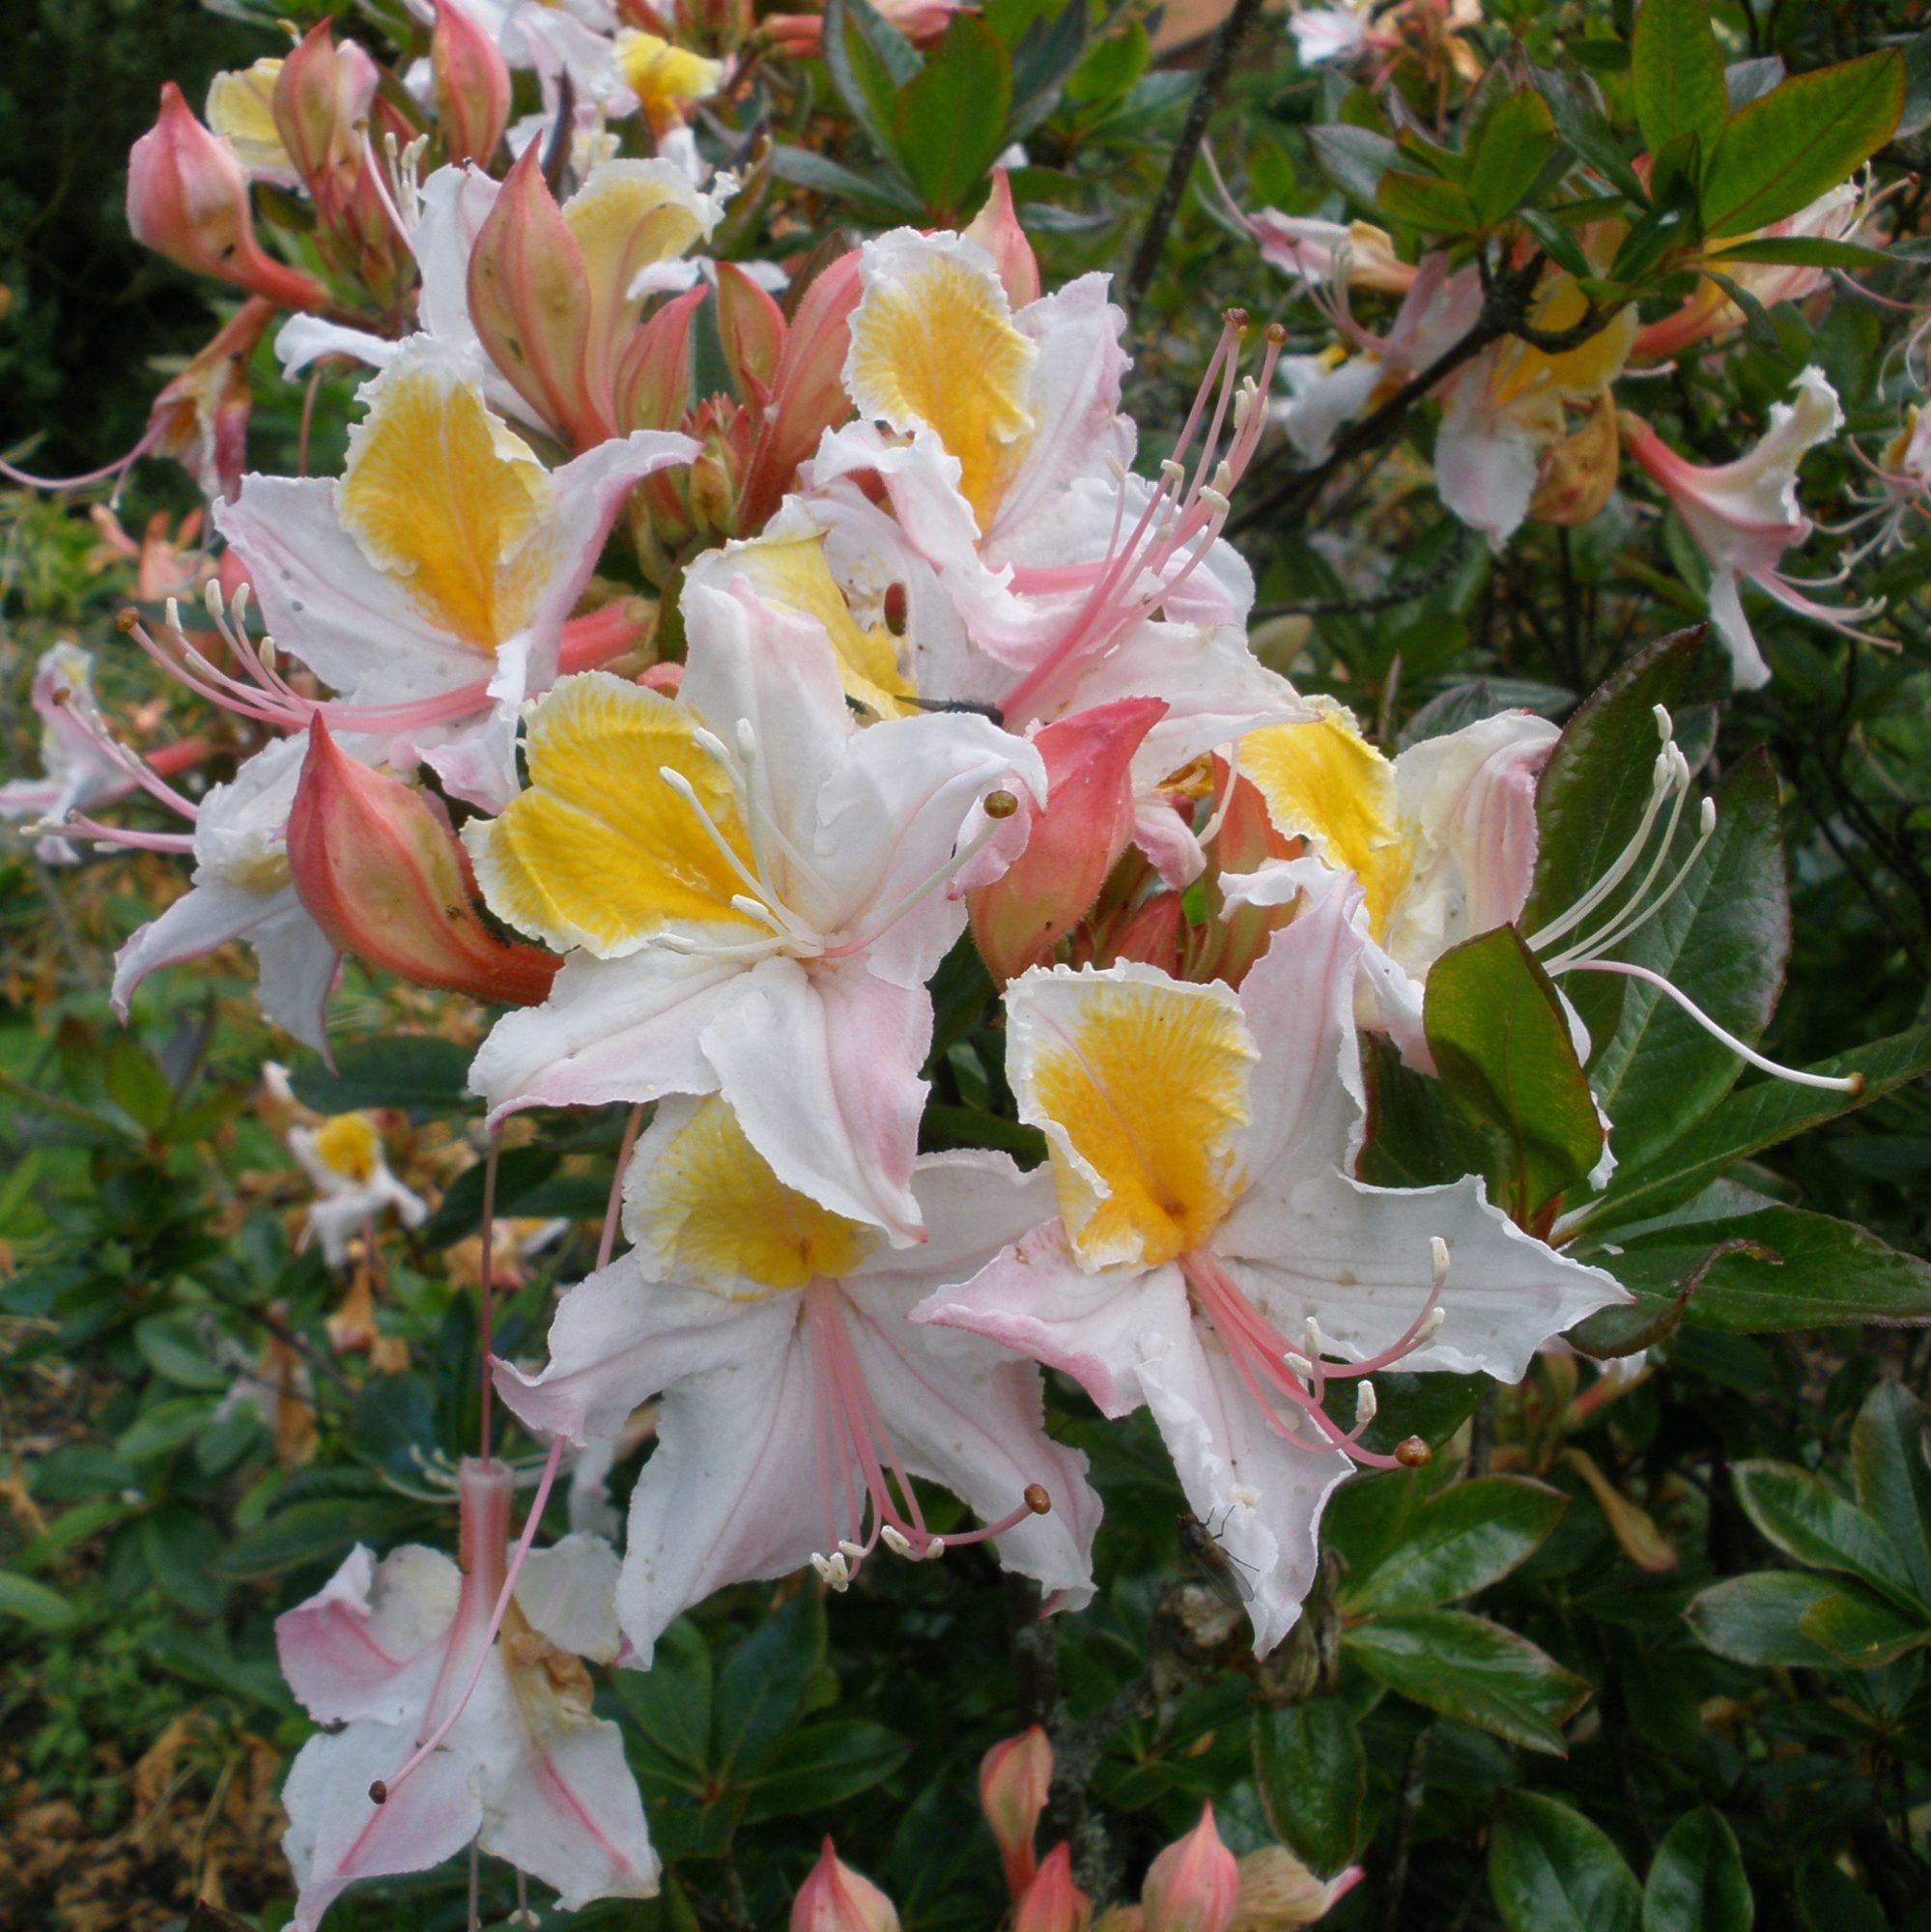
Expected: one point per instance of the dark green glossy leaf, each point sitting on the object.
(1463, 1539)
(823, 1765)
(1468, 1668)
(1801, 140)
(164, 1426)
(1826, 1273)
(322, 1530)
(1551, 1870)
(1861, 1631)
(1312, 1774)
(408, 1071)
(1760, 1619)
(1676, 74)
(1696, 1881)
(1512, 146)
(1354, 158)
(36, 1604)
(1425, 202)
(1502, 1047)
(1892, 1480)
(1806, 251)
(1823, 1530)
(868, 60)
(762, 1686)
(803, 168)
(1831, 1900)
(1575, 107)
(182, 1545)
(950, 122)
(670, 1740)
(138, 1086)
(170, 1346)
(1047, 53)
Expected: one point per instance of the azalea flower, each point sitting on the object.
(436, 575)
(1441, 840)
(666, 80)
(1745, 515)
(1200, 1229)
(752, 888)
(797, 1399)
(408, 1651)
(343, 1157)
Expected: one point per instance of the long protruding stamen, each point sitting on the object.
(1830, 1083)
(939, 880)
(1637, 914)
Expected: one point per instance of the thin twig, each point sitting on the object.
(1414, 1786)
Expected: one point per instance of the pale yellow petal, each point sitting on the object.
(1141, 1085)
(240, 110)
(627, 217)
(438, 494)
(600, 851)
(1324, 783)
(349, 1144)
(664, 75)
(933, 346)
(707, 1212)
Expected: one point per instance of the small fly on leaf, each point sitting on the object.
(1231, 1581)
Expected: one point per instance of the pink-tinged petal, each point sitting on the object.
(974, 1202)
(566, 1810)
(1035, 1300)
(736, 1489)
(296, 967)
(821, 1065)
(336, 1835)
(303, 339)
(1074, 398)
(890, 817)
(1259, 1492)
(476, 760)
(369, 1644)
(611, 1030)
(356, 628)
(618, 1340)
(996, 229)
(964, 1415)
(1168, 841)
(1486, 463)
(568, 1592)
(1748, 670)
(1357, 1259)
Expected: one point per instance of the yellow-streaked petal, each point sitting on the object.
(1141, 1084)
(1581, 371)
(349, 1144)
(627, 217)
(600, 851)
(241, 109)
(439, 494)
(933, 346)
(1324, 783)
(789, 572)
(664, 75)
(705, 1210)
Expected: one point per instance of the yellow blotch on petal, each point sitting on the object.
(933, 346)
(628, 216)
(1576, 372)
(1141, 1085)
(790, 573)
(440, 494)
(349, 1144)
(600, 851)
(707, 1212)
(1324, 783)
(664, 75)
(241, 109)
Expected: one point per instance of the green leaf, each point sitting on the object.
(670, 1738)
(1111, 67)
(1549, 1868)
(1424, 200)
(1512, 146)
(1676, 74)
(868, 60)
(1574, 105)
(1800, 140)
(823, 1765)
(1045, 55)
(1824, 1273)
(1804, 251)
(319, 1530)
(520, 1173)
(950, 122)
(1312, 1774)
(1501, 1045)
(1463, 1539)
(1821, 1530)
(1696, 1882)
(1354, 158)
(162, 1429)
(1468, 1668)
(138, 1086)
(1748, 1122)
(170, 1347)
(410, 1070)
(1779, 1617)
(34, 1604)
(1891, 1477)
(1859, 1631)
(1722, 939)
(803, 168)
(1831, 1900)
(181, 1545)
(762, 1686)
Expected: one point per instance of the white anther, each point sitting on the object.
(239, 605)
(1664, 727)
(822, 1567)
(1298, 1364)
(893, 1541)
(267, 650)
(848, 1548)
(1242, 1496)
(173, 613)
(935, 1548)
(1174, 470)
(747, 740)
(1430, 1325)
(1706, 818)
(1216, 500)
(1223, 477)
(1438, 1258)
(211, 595)
(709, 742)
(1367, 1405)
(1311, 1339)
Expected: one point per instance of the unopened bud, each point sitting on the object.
(1194, 1885)
(1014, 1780)
(1053, 1902)
(835, 1899)
(473, 85)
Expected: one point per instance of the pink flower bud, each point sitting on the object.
(835, 1899)
(187, 199)
(379, 871)
(996, 229)
(1075, 841)
(1278, 1892)
(807, 389)
(1053, 1902)
(201, 417)
(752, 330)
(654, 378)
(321, 92)
(1194, 1885)
(529, 299)
(473, 85)
(1013, 1778)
